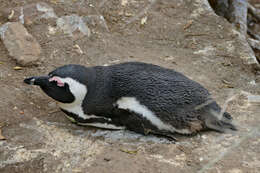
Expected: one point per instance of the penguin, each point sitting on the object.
(140, 97)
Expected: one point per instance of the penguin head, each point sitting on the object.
(65, 84)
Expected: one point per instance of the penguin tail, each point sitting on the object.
(220, 125)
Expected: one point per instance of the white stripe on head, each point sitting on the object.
(76, 88)
(132, 104)
(79, 91)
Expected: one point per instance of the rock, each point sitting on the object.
(247, 54)
(96, 21)
(255, 99)
(257, 79)
(255, 44)
(235, 170)
(73, 25)
(52, 105)
(29, 13)
(247, 99)
(242, 48)
(21, 45)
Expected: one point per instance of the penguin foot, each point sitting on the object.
(227, 117)
(166, 135)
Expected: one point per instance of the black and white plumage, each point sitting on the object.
(141, 97)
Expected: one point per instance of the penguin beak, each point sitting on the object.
(52, 87)
(37, 80)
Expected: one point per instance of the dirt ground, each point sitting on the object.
(208, 50)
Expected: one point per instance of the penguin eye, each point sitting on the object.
(57, 80)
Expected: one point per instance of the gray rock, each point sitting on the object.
(97, 21)
(29, 13)
(21, 45)
(72, 24)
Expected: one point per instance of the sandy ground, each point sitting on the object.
(40, 139)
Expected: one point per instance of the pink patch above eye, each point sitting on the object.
(57, 79)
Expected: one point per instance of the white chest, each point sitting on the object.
(77, 110)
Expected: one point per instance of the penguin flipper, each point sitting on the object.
(134, 122)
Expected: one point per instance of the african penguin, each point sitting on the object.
(141, 97)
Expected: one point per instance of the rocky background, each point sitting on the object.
(185, 35)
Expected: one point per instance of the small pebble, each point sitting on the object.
(52, 105)
(107, 159)
(204, 137)
(18, 68)
(144, 20)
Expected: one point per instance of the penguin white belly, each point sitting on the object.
(77, 110)
(132, 104)
(103, 126)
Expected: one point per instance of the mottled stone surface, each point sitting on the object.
(29, 13)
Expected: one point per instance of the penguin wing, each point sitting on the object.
(143, 119)
(131, 119)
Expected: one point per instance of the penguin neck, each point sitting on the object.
(98, 98)
(74, 108)
(80, 91)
